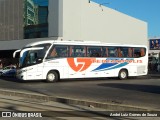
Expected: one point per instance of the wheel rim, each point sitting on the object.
(123, 75)
(51, 77)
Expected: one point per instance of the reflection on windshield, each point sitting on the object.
(33, 56)
(21, 61)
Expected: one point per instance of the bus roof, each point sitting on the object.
(79, 42)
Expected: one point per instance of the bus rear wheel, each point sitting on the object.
(123, 74)
(52, 76)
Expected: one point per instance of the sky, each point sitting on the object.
(146, 10)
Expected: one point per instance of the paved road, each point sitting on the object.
(17, 107)
(144, 92)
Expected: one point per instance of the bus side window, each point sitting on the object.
(112, 52)
(71, 51)
(142, 52)
(77, 51)
(125, 51)
(94, 51)
(58, 51)
(118, 52)
(53, 53)
(130, 52)
(62, 52)
(137, 52)
(105, 52)
(87, 52)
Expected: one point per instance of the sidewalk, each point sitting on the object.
(22, 107)
(38, 109)
(74, 102)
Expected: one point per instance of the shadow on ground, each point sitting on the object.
(143, 88)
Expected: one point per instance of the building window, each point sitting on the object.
(35, 19)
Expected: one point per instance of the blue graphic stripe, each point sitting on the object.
(118, 66)
(105, 65)
(110, 66)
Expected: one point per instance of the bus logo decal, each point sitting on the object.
(80, 64)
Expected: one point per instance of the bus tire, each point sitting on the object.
(123, 74)
(52, 76)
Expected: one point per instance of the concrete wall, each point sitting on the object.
(11, 19)
(90, 21)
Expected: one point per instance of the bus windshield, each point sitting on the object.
(33, 55)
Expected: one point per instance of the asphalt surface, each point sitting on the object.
(19, 108)
(143, 92)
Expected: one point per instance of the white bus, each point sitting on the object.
(54, 60)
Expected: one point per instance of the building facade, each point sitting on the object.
(25, 21)
(11, 19)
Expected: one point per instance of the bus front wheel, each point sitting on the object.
(123, 74)
(52, 76)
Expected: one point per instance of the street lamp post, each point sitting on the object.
(100, 5)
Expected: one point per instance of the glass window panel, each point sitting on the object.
(139, 52)
(77, 51)
(58, 51)
(94, 51)
(35, 19)
(112, 51)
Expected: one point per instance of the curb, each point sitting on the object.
(109, 106)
